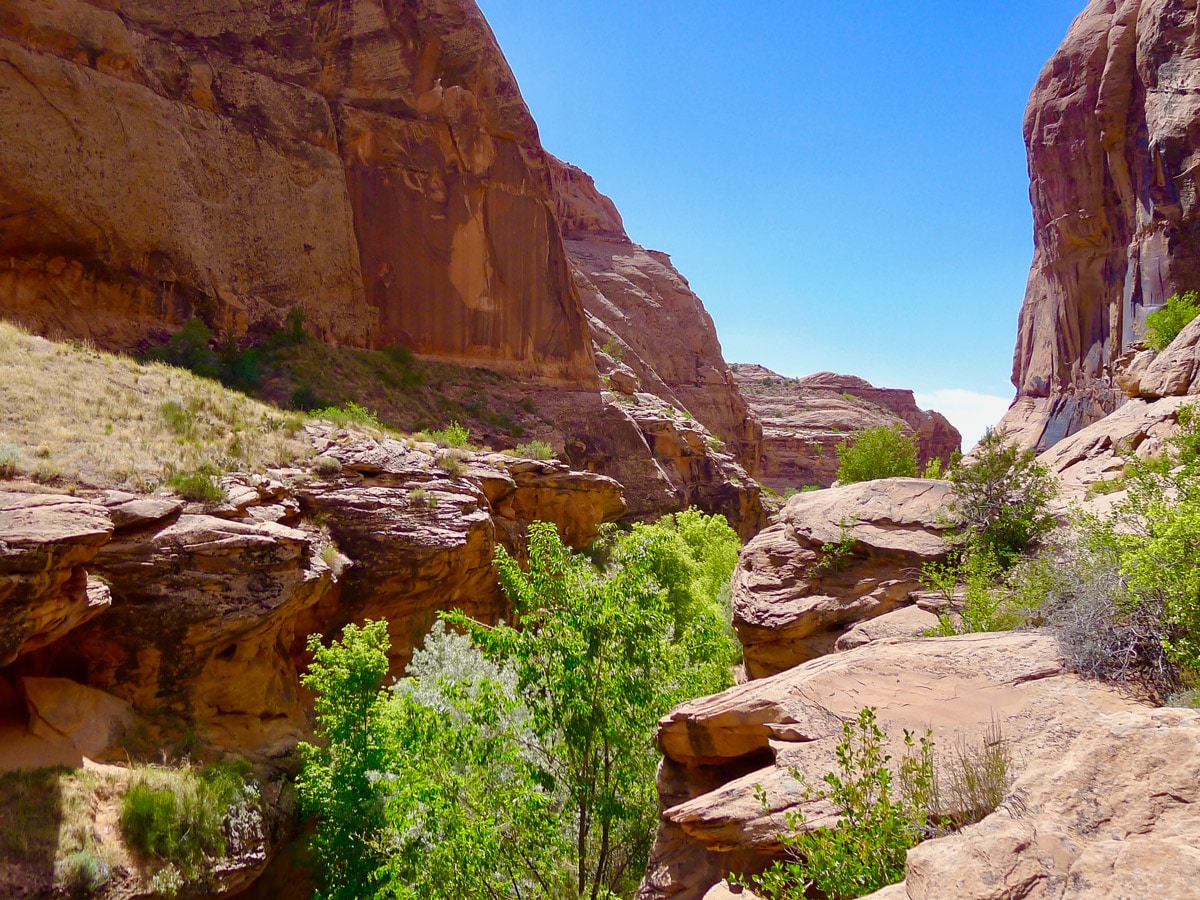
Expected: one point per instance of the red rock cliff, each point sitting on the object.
(371, 162)
(645, 314)
(1113, 131)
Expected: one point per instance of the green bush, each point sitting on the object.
(10, 460)
(1001, 497)
(1164, 325)
(82, 873)
(327, 466)
(883, 452)
(178, 814)
(453, 435)
(877, 823)
(535, 450)
(198, 485)
(347, 415)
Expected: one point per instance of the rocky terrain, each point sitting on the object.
(805, 419)
(1110, 129)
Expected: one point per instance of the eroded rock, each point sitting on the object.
(832, 559)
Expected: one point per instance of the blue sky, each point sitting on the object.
(844, 184)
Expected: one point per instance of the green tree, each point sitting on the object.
(1164, 325)
(1001, 494)
(518, 762)
(883, 452)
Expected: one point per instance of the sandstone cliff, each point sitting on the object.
(1112, 139)
(371, 163)
(805, 419)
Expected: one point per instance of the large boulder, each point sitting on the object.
(832, 559)
(726, 785)
(1113, 145)
(1114, 813)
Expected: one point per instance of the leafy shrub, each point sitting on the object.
(420, 497)
(198, 485)
(1164, 325)
(877, 824)
(875, 453)
(933, 469)
(10, 460)
(452, 464)
(453, 435)
(82, 873)
(178, 419)
(613, 349)
(348, 414)
(327, 466)
(535, 450)
(1000, 500)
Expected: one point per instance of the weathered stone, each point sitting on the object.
(735, 750)
(909, 622)
(133, 511)
(46, 541)
(1114, 814)
(61, 709)
(831, 559)
(806, 419)
(1111, 132)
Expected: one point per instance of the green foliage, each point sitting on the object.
(987, 604)
(933, 469)
(613, 349)
(178, 815)
(453, 435)
(517, 762)
(835, 555)
(10, 460)
(535, 450)
(877, 823)
(875, 453)
(1164, 325)
(452, 464)
(1000, 499)
(347, 415)
(82, 873)
(198, 485)
(327, 466)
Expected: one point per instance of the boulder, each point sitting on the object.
(46, 542)
(832, 559)
(1115, 813)
(1112, 139)
(61, 709)
(806, 419)
(726, 787)
(909, 622)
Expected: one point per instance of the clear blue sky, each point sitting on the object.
(844, 184)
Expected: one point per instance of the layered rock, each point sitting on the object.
(646, 319)
(1112, 139)
(371, 164)
(726, 787)
(805, 419)
(1115, 813)
(830, 560)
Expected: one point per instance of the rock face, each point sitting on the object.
(646, 319)
(832, 559)
(1116, 813)
(1112, 139)
(726, 789)
(206, 609)
(805, 419)
(372, 164)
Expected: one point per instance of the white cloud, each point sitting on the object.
(970, 412)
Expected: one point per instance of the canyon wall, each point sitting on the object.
(1113, 132)
(370, 162)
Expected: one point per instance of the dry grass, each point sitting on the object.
(71, 414)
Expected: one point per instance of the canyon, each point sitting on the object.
(373, 165)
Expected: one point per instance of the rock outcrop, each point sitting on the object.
(805, 419)
(373, 165)
(647, 322)
(726, 787)
(1115, 813)
(1112, 138)
(830, 560)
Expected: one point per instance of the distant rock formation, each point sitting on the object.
(805, 419)
(645, 318)
(1113, 144)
